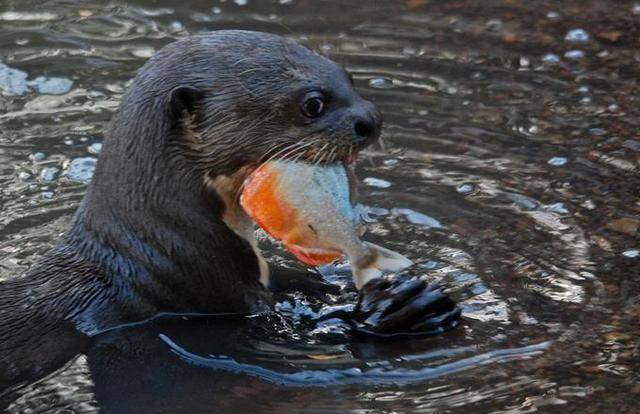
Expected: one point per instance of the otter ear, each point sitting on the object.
(184, 98)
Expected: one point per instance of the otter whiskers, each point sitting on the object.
(285, 152)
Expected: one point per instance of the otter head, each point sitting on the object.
(205, 111)
(245, 97)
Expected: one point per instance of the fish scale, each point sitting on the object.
(308, 208)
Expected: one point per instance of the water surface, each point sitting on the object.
(509, 171)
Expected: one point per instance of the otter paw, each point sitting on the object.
(403, 306)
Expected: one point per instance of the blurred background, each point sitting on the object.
(509, 170)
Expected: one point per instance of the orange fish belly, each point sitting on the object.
(267, 206)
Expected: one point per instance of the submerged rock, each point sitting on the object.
(625, 225)
(50, 86)
(13, 82)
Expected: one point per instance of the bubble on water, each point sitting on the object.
(588, 204)
(577, 35)
(524, 202)
(557, 161)
(553, 15)
(376, 182)
(574, 54)
(94, 148)
(114, 87)
(176, 26)
(49, 174)
(37, 156)
(22, 42)
(68, 141)
(598, 131)
(381, 83)
(417, 218)
(143, 52)
(465, 188)
(216, 10)
(285, 2)
(391, 162)
(96, 95)
(14, 16)
(81, 169)
(558, 208)
(583, 89)
(412, 51)
(494, 24)
(586, 100)
(631, 254)
(241, 2)
(451, 90)
(551, 58)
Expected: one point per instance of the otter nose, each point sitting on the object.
(367, 125)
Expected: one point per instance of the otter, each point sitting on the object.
(159, 229)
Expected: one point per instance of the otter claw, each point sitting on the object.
(403, 306)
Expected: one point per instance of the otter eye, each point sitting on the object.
(313, 105)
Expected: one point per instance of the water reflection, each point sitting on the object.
(509, 173)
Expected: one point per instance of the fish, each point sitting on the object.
(309, 209)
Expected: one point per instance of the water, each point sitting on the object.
(509, 171)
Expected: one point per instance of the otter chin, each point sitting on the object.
(159, 229)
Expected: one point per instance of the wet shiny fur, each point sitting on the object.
(158, 230)
(150, 234)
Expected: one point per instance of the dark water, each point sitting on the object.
(510, 170)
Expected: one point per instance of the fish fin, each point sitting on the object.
(385, 260)
(311, 256)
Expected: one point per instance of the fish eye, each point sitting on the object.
(313, 104)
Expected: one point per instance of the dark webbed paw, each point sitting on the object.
(404, 306)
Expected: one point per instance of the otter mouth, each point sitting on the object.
(321, 155)
(347, 159)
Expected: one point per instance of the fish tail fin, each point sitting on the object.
(384, 260)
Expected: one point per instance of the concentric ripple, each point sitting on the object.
(508, 171)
